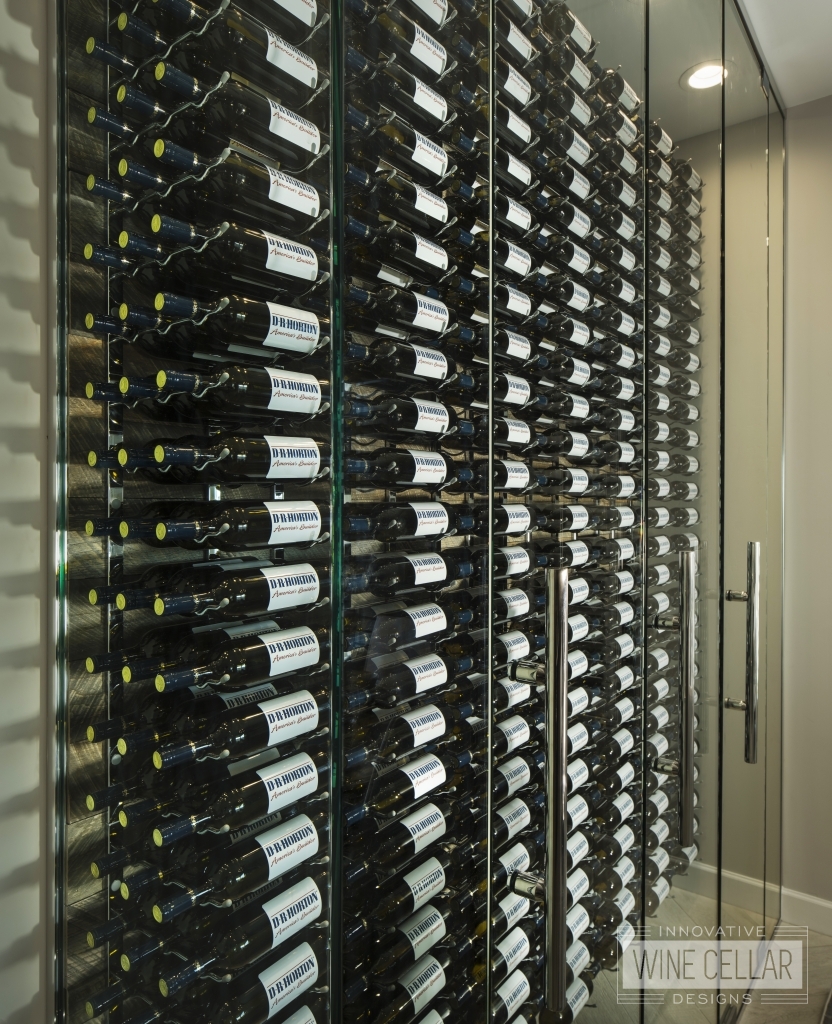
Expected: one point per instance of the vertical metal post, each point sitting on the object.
(752, 652)
(687, 625)
(557, 714)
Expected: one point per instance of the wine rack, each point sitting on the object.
(380, 322)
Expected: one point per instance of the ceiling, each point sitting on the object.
(795, 38)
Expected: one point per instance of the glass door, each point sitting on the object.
(751, 548)
(682, 533)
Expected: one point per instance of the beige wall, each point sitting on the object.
(807, 755)
(25, 778)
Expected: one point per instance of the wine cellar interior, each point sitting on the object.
(418, 508)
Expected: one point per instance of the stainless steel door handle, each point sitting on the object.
(687, 651)
(557, 713)
(752, 651)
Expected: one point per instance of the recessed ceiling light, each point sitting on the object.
(703, 76)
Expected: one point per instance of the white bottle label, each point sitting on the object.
(288, 125)
(578, 773)
(662, 457)
(428, 468)
(431, 417)
(427, 619)
(626, 612)
(517, 169)
(518, 390)
(297, 195)
(626, 486)
(514, 947)
(578, 590)
(297, 458)
(428, 568)
(517, 301)
(581, 372)
(515, 859)
(578, 700)
(660, 657)
(290, 258)
(518, 260)
(660, 829)
(516, 645)
(306, 11)
(425, 774)
(577, 884)
(516, 692)
(624, 739)
(580, 260)
(430, 252)
(662, 687)
(243, 697)
(289, 844)
(429, 155)
(425, 825)
(661, 888)
(429, 362)
(664, 230)
(291, 649)
(578, 957)
(428, 51)
(518, 41)
(517, 475)
(429, 671)
(517, 126)
(517, 214)
(423, 981)
(577, 810)
(429, 101)
(293, 330)
(660, 801)
(579, 149)
(516, 773)
(580, 407)
(293, 392)
(426, 724)
(578, 663)
(436, 10)
(425, 881)
(662, 491)
(423, 930)
(626, 772)
(624, 802)
(626, 677)
(291, 585)
(582, 113)
(577, 847)
(291, 975)
(515, 815)
(431, 518)
(579, 550)
(432, 206)
(517, 86)
(578, 628)
(578, 481)
(516, 345)
(516, 731)
(626, 645)
(293, 522)
(293, 714)
(580, 225)
(517, 603)
(290, 60)
(577, 736)
(518, 560)
(580, 34)
(577, 921)
(293, 909)
(579, 513)
(519, 516)
(661, 858)
(515, 991)
(659, 742)
(514, 907)
(289, 780)
(517, 431)
(431, 314)
(626, 582)
(626, 901)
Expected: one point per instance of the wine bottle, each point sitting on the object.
(263, 457)
(237, 527)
